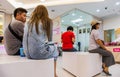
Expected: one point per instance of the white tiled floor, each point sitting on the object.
(114, 70)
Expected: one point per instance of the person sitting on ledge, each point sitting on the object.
(97, 46)
(68, 39)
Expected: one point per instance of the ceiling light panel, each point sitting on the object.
(117, 3)
(42, 0)
(98, 10)
(77, 20)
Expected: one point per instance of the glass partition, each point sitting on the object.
(81, 24)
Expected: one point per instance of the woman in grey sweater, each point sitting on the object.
(37, 34)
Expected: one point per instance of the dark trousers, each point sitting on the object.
(70, 50)
(107, 56)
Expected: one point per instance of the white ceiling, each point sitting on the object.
(58, 10)
(33, 3)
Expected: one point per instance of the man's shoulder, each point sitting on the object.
(64, 33)
(70, 32)
(16, 22)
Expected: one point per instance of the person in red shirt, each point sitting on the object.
(68, 39)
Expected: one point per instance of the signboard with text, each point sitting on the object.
(116, 49)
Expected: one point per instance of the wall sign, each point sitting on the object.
(116, 49)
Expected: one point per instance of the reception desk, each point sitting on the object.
(116, 52)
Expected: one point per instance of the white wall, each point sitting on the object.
(1, 23)
(1, 18)
(56, 30)
(111, 22)
(7, 19)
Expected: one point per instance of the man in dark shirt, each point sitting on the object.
(13, 44)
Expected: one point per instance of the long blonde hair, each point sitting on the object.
(41, 14)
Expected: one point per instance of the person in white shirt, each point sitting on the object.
(97, 46)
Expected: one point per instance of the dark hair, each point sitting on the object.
(19, 10)
(103, 42)
(70, 28)
(40, 13)
(94, 26)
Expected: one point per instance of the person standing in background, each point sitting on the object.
(14, 32)
(97, 46)
(68, 39)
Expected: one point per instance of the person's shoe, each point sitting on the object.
(107, 73)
